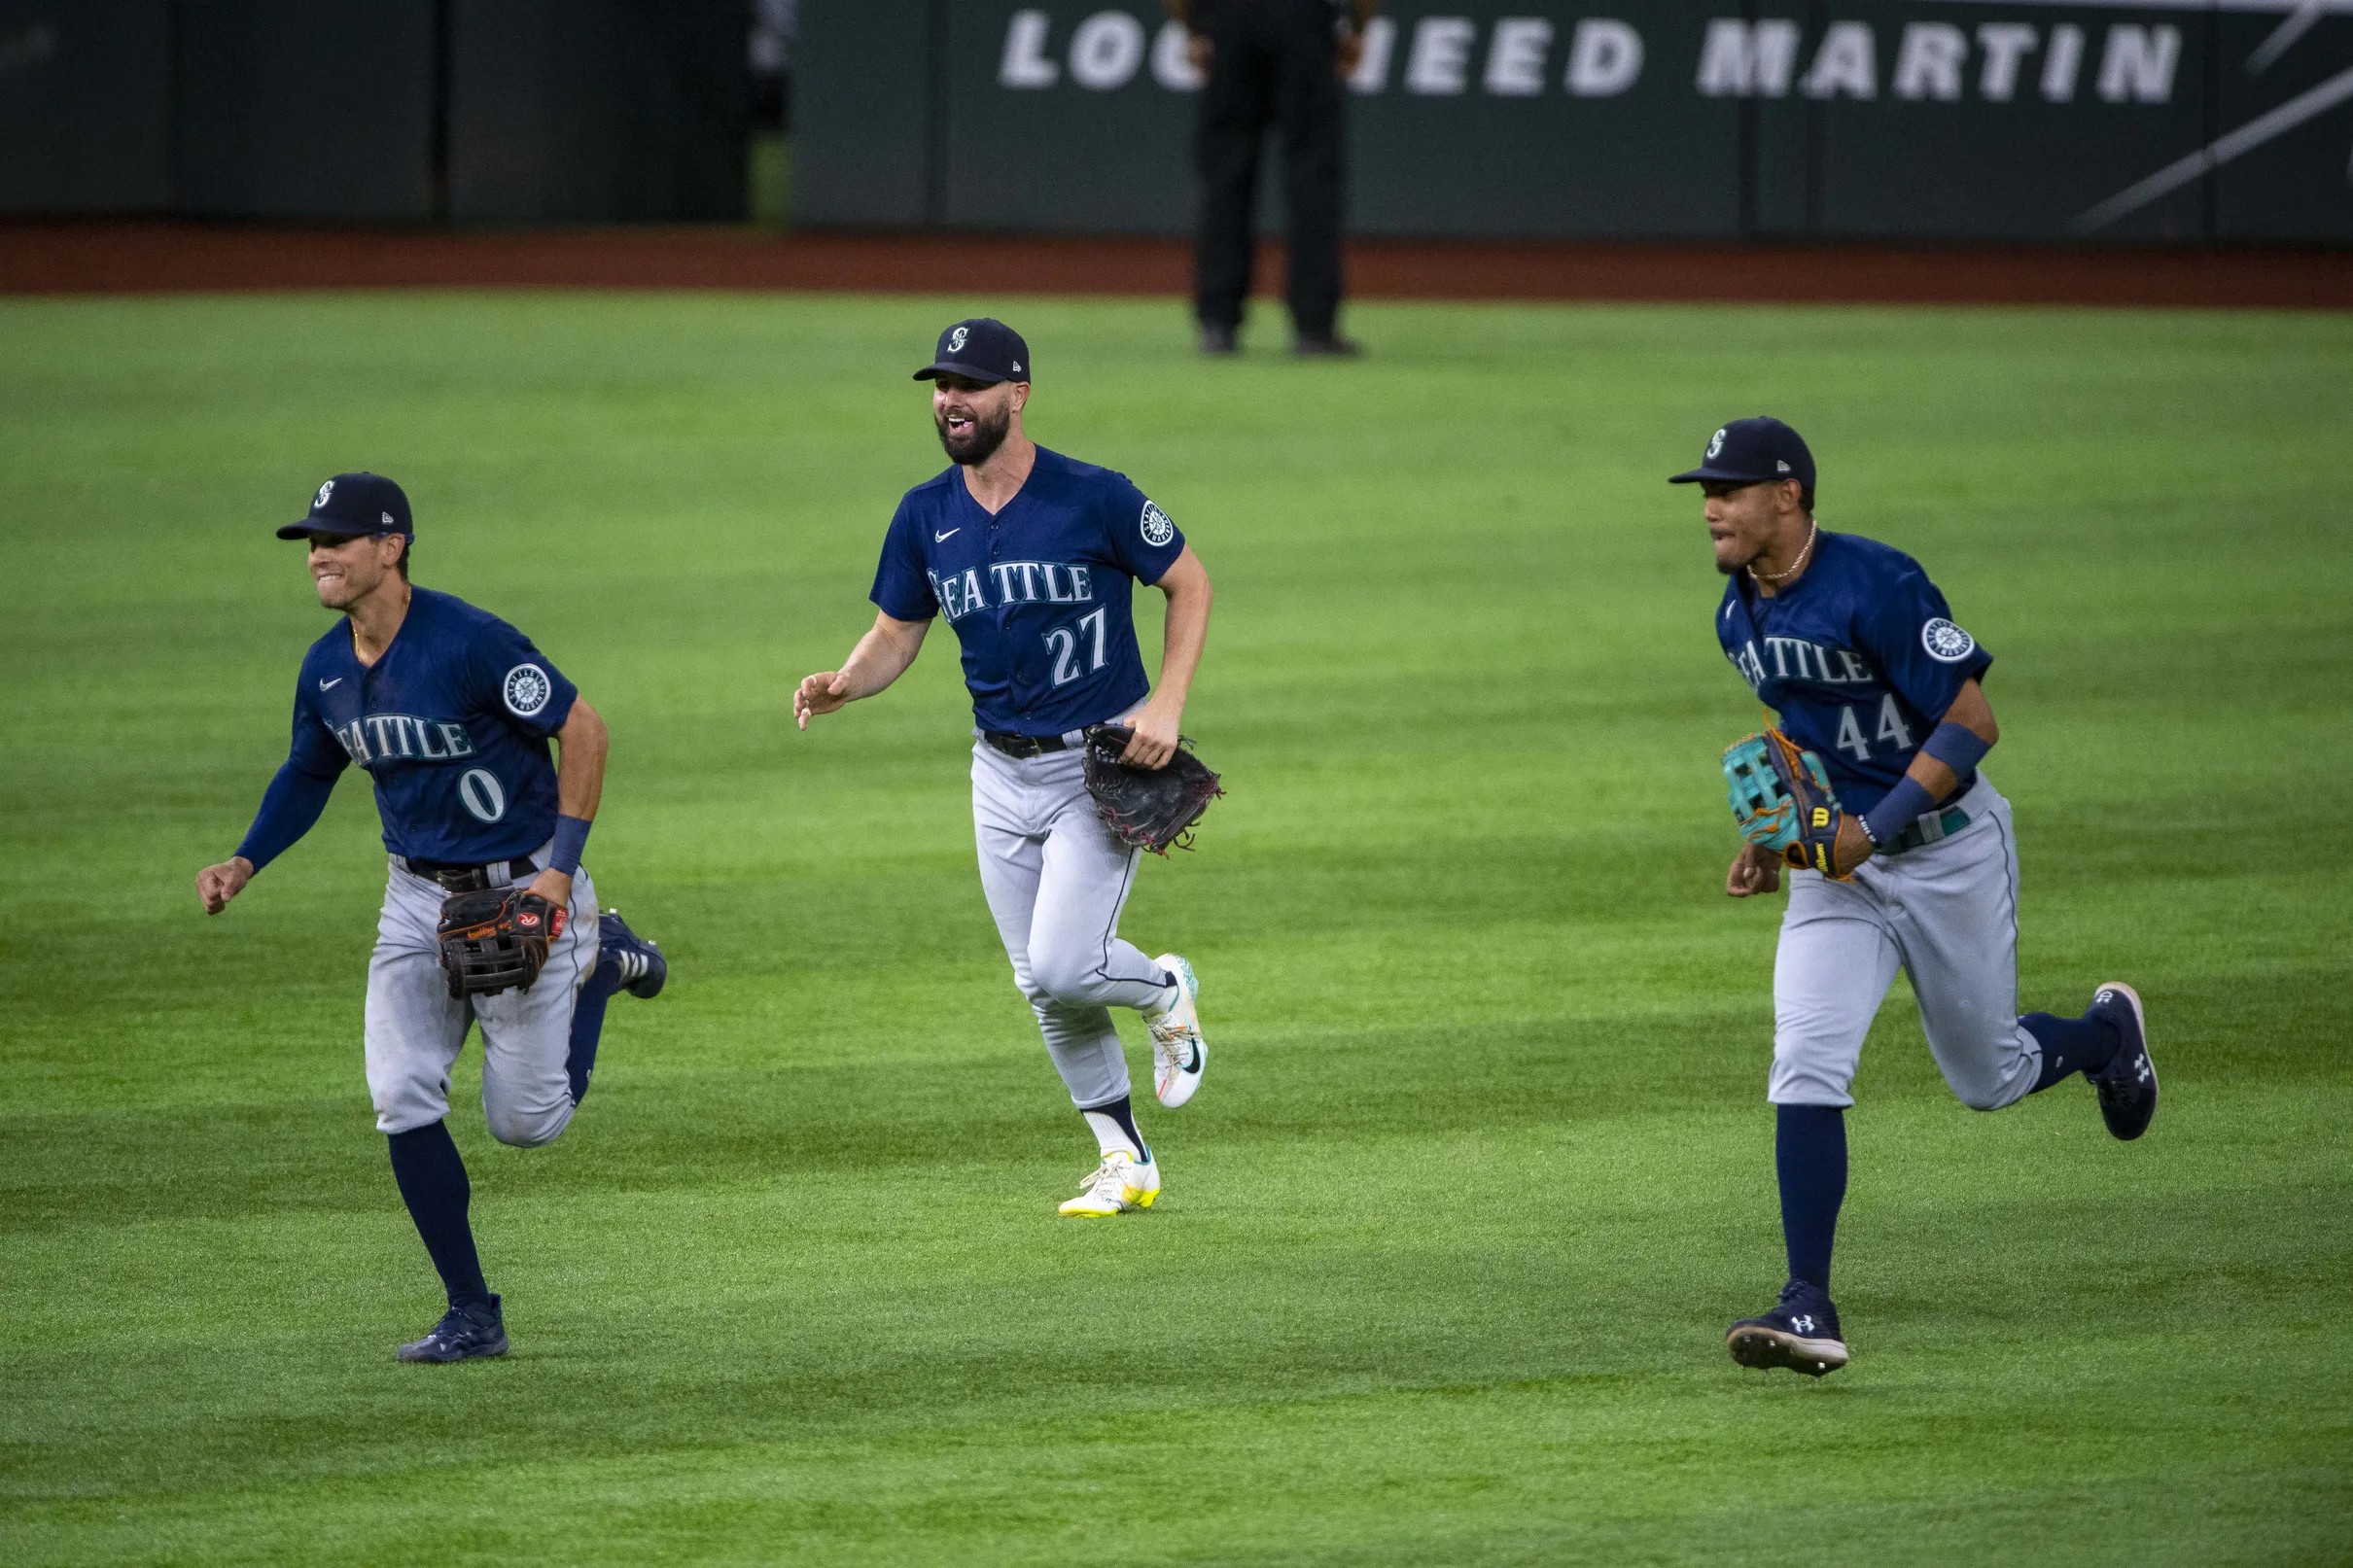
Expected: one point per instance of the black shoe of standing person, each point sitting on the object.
(465, 1332)
(1219, 340)
(1800, 1334)
(1326, 346)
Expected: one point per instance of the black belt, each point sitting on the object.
(1024, 746)
(467, 878)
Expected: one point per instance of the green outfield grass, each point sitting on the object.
(1483, 1167)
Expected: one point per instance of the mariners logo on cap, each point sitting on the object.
(1946, 642)
(1716, 444)
(320, 500)
(955, 339)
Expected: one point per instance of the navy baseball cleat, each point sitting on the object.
(2127, 1085)
(462, 1333)
(644, 969)
(1800, 1334)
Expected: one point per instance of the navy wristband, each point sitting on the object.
(1910, 798)
(570, 838)
(1957, 747)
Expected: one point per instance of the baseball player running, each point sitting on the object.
(450, 710)
(1855, 648)
(1032, 557)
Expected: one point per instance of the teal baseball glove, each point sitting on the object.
(1781, 798)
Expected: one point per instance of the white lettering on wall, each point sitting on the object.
(2006, 45)
(1172, 66)
(1928, 62)
(1379, 43)
(1440, 60)
(1446, 57)
(1514, 56)
(1024, 63)
(1604, 57)
(1106, 50)
(2061, 61)
(2137, 65)
(1739, 60)
(1848, 62)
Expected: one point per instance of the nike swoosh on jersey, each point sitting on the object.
(330, 685)
(942, 539)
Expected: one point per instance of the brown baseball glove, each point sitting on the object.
(1150, 807)
(496, 939)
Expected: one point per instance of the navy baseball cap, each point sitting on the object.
(355, 504)
(1752, 451)
(982, 349)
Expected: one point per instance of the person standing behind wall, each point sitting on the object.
(1269, 63)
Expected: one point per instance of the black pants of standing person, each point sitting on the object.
(1272, 65)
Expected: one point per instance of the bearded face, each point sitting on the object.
(973, 421)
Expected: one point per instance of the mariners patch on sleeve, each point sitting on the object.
(1157, 529)
(1946, 642)
(528, 689)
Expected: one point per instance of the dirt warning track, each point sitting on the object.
(143, 257)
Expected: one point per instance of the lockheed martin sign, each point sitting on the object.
(1983, 119)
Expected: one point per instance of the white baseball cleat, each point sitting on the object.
(1179, 1053)
(1118, 1185)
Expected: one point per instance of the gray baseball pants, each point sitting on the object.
(1056, 879)
(1947, 913)
(415, 1029)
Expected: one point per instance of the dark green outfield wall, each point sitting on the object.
(1641, 118)
(488, 111)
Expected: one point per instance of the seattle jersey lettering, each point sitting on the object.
(1013, 582)
(403, 736)
(1794, 658)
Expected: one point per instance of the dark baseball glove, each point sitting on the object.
(1150, 807)
(496, 939)
(1781, 798)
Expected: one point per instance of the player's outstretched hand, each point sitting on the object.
(821, 693)
(1155, 739)
(1754, 870)
(217, 885)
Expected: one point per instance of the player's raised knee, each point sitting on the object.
(1070, 973)
(523, 1129)
(1983, 1097)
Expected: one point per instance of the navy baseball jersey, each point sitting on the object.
(1040, 595)
(451, 724)
(1859, 656)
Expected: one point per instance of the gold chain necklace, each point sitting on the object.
(1797, 566)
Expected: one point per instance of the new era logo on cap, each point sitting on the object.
(1750, 451)
(981, 349)
(354, 503)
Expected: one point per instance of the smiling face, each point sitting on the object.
(1744, 520)
(974, 417)
(347, 568)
